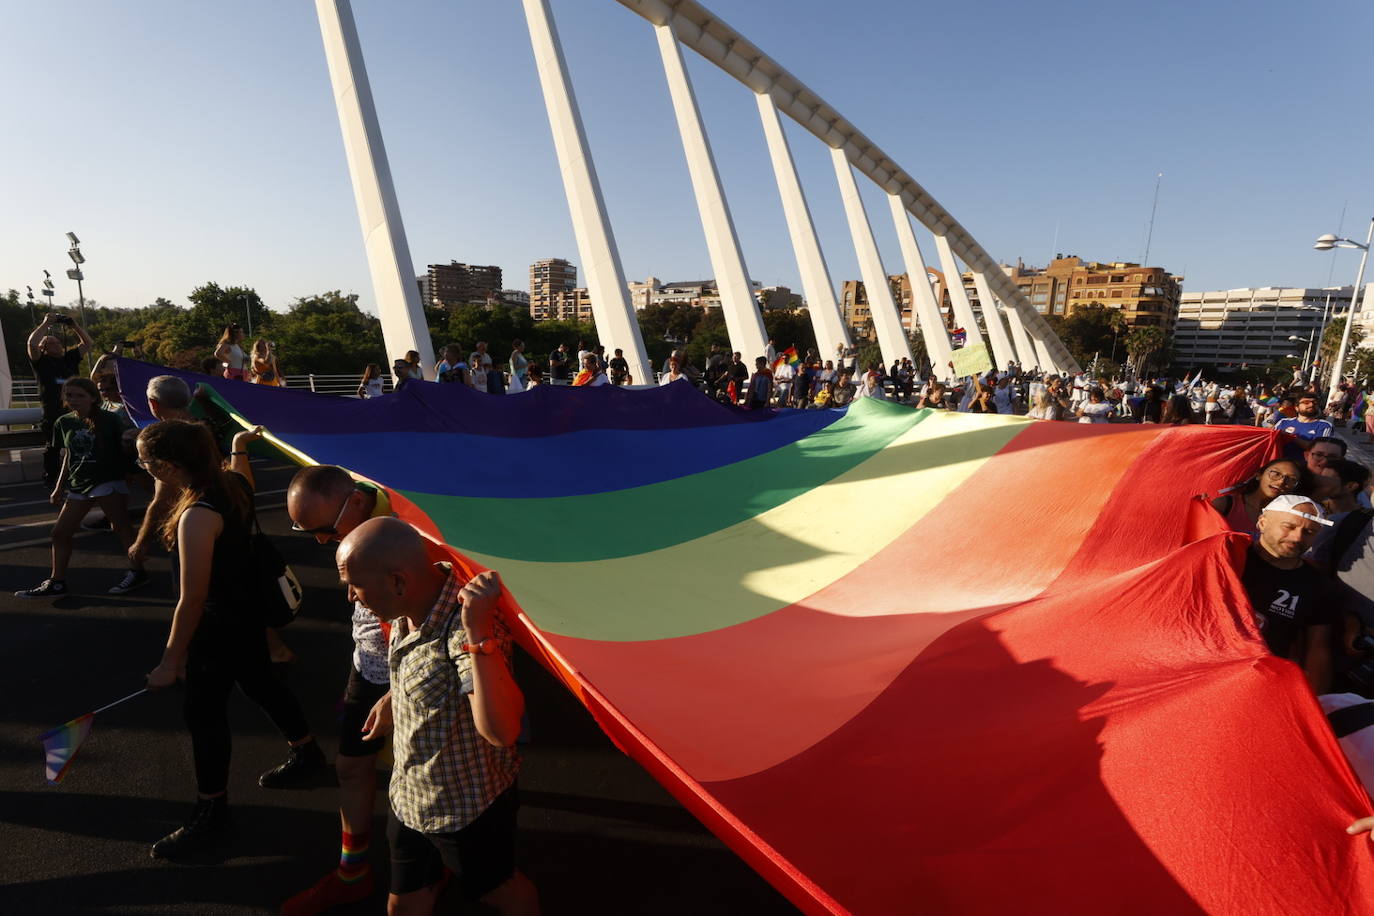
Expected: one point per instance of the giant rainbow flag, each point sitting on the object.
(901, 661)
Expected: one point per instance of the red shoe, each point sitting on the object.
(329, 891)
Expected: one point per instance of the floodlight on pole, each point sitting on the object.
(75, 274)
(1306, 353)
(1326, 243)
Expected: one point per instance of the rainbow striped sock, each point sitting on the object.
(353, 864)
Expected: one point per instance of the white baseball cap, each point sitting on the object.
(1289, 503)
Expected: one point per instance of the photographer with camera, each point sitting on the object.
(54, 363)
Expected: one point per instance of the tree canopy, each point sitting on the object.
(327, 333)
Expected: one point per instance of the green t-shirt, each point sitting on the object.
(95, 454)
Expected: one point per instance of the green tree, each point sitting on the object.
(791, 329)
(326, 334)
(213, 307)
(708, 331)
(17, 324)
(1091, 329)
(1146, 346)
(665, 326)
(1331, 342)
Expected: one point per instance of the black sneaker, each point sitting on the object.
(133, 578)
(304, 765)
(209, 828)
(49, 588)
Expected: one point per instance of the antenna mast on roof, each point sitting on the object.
(1150, 231)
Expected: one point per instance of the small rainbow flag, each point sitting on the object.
(61, 744)
(788, 356)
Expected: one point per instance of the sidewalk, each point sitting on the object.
(1359, 446)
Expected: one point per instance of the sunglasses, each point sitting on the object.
(331, 530)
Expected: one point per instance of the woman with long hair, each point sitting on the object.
(229, 352)
(265, 371)
(1244, 502)
(371, 384)
(218, 638)
(94, 468)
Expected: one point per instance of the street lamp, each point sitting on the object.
(1326, 243)
(48, 290)
(75, 273)
(31, 318)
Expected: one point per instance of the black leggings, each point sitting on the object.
(226, 651)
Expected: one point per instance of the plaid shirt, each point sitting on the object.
(444, 773)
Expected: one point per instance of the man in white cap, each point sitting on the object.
(1297, 609)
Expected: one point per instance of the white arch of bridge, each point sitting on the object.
(1031, 341)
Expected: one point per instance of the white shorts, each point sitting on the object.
(109, 488)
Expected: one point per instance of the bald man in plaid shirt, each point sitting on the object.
(456, 714)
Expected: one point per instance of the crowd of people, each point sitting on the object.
(430, 666)
(431, 653)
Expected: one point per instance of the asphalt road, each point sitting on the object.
(597, 835)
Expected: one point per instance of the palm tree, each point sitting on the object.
(1142, 344)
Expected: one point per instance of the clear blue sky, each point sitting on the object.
(187, 142)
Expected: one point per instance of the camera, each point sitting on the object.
(63, 319)
(127, 343)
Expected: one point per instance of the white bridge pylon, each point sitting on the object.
(679, 23)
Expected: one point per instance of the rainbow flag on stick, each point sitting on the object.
(788, 356)
(61, 744)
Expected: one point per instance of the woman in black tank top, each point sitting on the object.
(218, 637)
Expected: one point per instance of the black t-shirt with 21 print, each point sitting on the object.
(1288, 601)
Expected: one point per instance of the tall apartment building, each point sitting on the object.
(1254, 327)
(459, 284)
(1148, 296)
(550, 278)
(642, 294)
(574, 304)
(854, 302)
(778, 298)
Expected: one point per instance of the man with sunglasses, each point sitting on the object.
(325, 502)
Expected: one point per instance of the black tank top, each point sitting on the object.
(231, 564)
